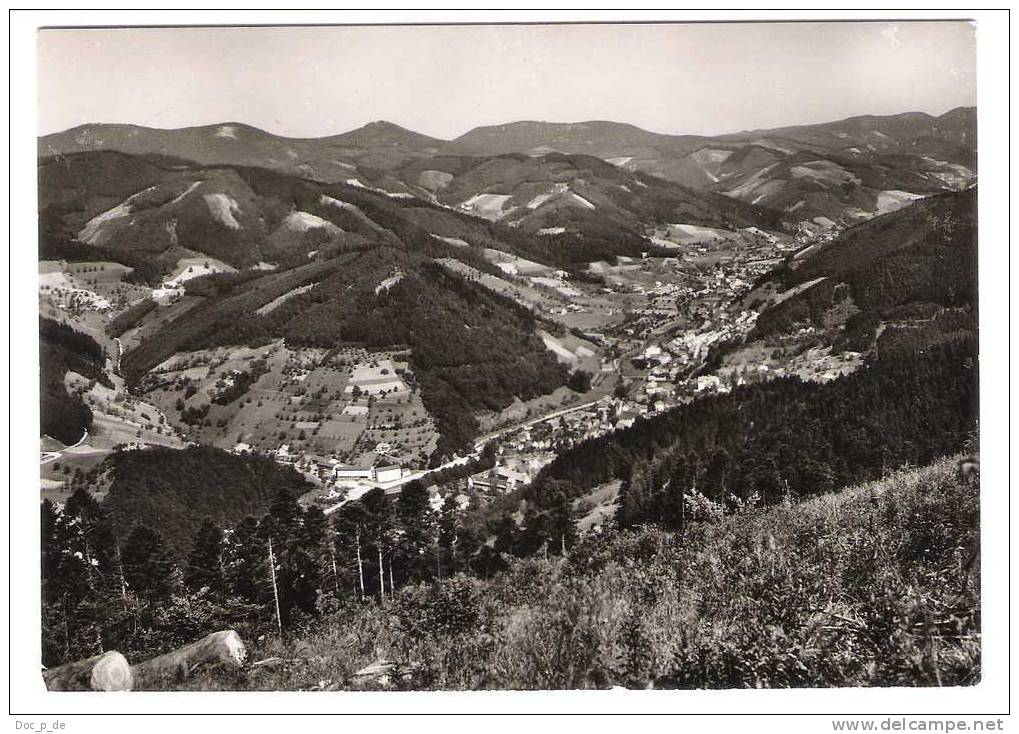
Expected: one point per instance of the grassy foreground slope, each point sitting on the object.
(876, 585)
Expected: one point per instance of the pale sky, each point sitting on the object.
(444, 80)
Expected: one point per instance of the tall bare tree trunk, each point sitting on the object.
(336, 577)
(382, 575)
(67, 634)
(275, 590)
(120, 572)
(360, 562)
(682, 511)
(88, 566)
(392, 586)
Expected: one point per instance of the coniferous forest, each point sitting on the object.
(785, 437)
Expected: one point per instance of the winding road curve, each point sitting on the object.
(48, 456)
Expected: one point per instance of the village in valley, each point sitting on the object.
(638, 331)
(637, 334)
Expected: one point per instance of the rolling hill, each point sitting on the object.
(558, 210)
(229, 245)
(830, 173)
(837, 172)
(909, 272)
(330, 159)
(528, 192)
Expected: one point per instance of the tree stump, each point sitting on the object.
(220, 648)
(106, 672)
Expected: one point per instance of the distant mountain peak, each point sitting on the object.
(386, 131)
(384, 125)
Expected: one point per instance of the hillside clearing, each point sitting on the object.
(223, 208)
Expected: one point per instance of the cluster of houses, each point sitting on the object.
(75, 301)
(330, 470)
(669, 362)
(498, 480)
(523, 452)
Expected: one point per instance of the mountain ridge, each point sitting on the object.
(855, 167)
(953, 112)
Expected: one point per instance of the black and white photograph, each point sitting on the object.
(431, 357)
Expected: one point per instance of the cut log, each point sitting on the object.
(220, 648)
(106, 672)
(273, 662)
(385, 674)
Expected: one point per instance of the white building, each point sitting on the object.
(384, 474)
(348, 471)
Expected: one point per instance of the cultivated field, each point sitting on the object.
(341, 403)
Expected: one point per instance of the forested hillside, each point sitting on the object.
(471, 349)
(907, 265)
(922, 253)
(63, 349)
(156, 210)
(573, 191)
(175, 491)
(782, 438)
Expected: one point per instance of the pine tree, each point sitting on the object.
(205, 562)
(562, 524)
(246, 569)
(634, 497)
(449, 519)
(415, 520)
(350, 525)
(284, 524)
(284, 516)
(53, 541)
(468, 545)
(534, 535)
(63, 583)
(148, 569)
(306, 556)
(506, 531)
